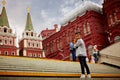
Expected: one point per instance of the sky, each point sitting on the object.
(44, 13)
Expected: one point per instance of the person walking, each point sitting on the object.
(95, 53)
(79, 45)
(73, 52)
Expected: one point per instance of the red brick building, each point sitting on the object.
(112, 15)
(99, 26)
(48, 32)
(7, 38)
(30, 45)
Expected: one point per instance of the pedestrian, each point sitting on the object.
(72, 50)
(81, 54)
(95, 53)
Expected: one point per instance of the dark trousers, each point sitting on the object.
(73, 54)
(83, 64)
(95, 57)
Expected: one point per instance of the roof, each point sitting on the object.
(80, 10)
(4, 18)
(29, 25)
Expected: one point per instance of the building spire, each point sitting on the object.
(4, 18)
(29, 25)
(3, 2)
(28, 9)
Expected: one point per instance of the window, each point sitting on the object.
(39, 55)
(5, 41)
(27, 34)
(5, 30)
(0, 41)
(84, 27)
(60, 43)
(13, 53)
(10, 42)
(88, 28)
(37, 44)
(32, 34)
(6, 53)
(51, 47)
(33, 44)
(111, 20)
(34, 55)
(29, 44)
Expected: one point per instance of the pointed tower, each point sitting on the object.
(7, 38)
(30, 45)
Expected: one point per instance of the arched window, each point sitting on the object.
(32, 34)
(88, 28)
(60, 43)
(13, 53)
(10, 42)
(0, 41)
(39, 55)
(51, 47)
(5, 41)
(85, 31)
(37, 44)
(27, 33)
(29, 44)
(35, 55)
(6, 53)
(111, 19)
(117, 38)
(5, 30)
(33, 44)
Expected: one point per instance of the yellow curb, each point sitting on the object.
(51, 74)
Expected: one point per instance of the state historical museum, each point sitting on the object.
(99, 25)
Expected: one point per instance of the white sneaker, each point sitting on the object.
(82, 76)
(88, 76)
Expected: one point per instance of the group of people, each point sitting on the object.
(78, 50)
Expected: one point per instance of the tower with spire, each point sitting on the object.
(30, 45)
(7, 38)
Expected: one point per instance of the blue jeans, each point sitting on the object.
(95, 57)
(73, 54)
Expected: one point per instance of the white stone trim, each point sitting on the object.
(24, 53)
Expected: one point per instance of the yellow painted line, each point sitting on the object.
(43, 74)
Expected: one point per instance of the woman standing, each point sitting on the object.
(79, 45)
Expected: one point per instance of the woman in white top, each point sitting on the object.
(79, 45)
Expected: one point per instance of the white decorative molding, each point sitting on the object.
(24, 53)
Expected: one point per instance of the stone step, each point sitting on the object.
(38, 66)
